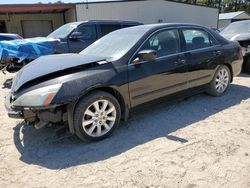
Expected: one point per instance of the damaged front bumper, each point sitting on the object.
(50, 114)
(11, 112)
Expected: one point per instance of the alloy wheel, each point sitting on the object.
(99, 118)
(222, 80)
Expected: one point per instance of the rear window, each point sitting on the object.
(197, 39)
(107, 28)
(236, 28)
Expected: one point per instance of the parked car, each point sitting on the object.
(6, 37)
(240, 31)
(9, 36)
(93, 90)
(69, 38)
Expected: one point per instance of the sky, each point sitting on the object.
(43, 1)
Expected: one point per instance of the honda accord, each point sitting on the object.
(91, 91)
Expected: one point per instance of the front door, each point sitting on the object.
(163, 76)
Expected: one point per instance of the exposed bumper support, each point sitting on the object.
(15, 114)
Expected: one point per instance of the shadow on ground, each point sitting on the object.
(143, 126)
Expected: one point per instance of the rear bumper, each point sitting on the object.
(11, 112)
(237, 67)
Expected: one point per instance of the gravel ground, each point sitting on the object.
(199, 142)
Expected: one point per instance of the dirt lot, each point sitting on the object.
(200, 142)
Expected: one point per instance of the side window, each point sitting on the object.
(107, 28)
(88, 31)
(164, 43)
(196, 39)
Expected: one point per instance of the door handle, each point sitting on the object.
(217, 53)
(180, 62)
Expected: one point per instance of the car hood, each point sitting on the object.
(50, 64)
(237, 37)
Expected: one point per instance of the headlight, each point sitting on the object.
(38, 97)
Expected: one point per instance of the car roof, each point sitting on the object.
(107, 21)
(159, 25)
(244, 21)
(166, 25)
(8, 34)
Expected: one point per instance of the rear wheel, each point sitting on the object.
(220, 82)
(96, 116)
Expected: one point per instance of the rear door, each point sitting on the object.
(165, 75)
(89, 36)
(202, 53)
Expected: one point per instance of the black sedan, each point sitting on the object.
(93, 90)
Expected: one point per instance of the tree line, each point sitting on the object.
(223, 5)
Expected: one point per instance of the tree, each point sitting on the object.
(222, 5)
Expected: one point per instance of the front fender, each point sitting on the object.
(78, 84)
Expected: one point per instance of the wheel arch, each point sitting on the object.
(231, 70)
(114, 92)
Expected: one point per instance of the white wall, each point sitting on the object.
(149, 12)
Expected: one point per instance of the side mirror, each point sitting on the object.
(76, 35)
(145, 55)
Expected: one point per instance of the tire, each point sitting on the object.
(220, 83)
(247, 65)
(94, 125)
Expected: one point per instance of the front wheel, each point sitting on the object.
(96, 116)
(220, 82)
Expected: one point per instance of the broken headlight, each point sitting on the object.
(38, 97)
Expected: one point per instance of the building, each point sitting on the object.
(227, 18)
(40, 19)
(35, 20)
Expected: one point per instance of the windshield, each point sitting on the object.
(237, 28)
(116, 44)
(63, 31)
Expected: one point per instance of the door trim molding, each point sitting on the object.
(159, 90)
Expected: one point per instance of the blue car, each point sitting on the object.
(69, 38)
(9, 36)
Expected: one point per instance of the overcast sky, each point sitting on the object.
(43, 1)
